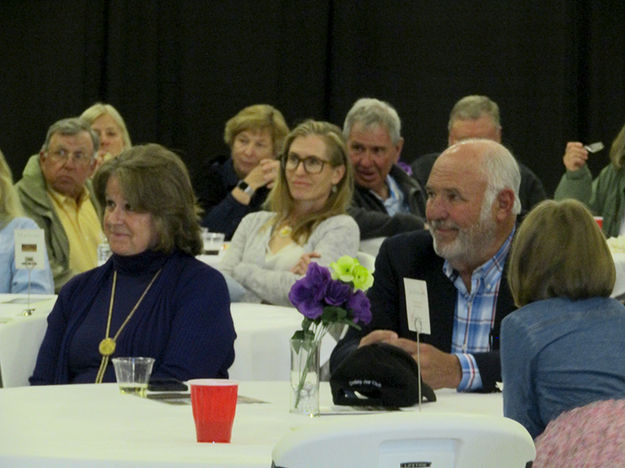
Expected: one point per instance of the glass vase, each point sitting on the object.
(304, 376)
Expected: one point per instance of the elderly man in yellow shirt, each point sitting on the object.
(55, 191)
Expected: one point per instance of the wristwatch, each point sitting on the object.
(245, 187)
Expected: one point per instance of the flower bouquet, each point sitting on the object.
(327, 297)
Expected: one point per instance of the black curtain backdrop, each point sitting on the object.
(178, 70)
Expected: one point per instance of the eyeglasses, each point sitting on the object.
(312, 164)
(62, 155)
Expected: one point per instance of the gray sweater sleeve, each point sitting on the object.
(575, 184)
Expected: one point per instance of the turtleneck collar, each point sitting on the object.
(148, 261)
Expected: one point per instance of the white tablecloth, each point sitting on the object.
(619, 284)
(262, 344)
(94, 426)
(261, 348)
(20, 335)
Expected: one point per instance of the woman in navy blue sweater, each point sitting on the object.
(152, 297)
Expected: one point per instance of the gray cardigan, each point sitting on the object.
(244, 260)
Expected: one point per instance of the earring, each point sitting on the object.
(334, 189)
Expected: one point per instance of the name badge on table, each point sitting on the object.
(29, 249)
(417, 308)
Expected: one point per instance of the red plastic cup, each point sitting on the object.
(214, 402)
(599, 220)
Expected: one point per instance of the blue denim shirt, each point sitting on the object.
(558, 354)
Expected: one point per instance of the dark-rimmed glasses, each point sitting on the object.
(62, 155)
(312, 164)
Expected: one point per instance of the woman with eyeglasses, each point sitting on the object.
(307, 220)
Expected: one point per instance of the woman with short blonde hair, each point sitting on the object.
(228, 189)
(111, 129)
(258, 117)
(564, 347)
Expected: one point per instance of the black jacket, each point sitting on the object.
(372, 217)
(222, 212)
(412, 255)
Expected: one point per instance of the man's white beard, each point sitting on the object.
(470, 244)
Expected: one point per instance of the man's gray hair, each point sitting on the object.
(371, 111)
(472, 108)
(502, 172)
(69, 127)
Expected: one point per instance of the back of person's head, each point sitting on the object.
(155, 180)
(472, 108)
(70, 127)
(10, 206)
(559, 251)
(97, 110)
(258, 117)
(617, 150)
(280, 199)
(371, 112)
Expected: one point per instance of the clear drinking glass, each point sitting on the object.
(304, 377)
(213, 241)
(133, 374)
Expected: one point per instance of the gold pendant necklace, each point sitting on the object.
(107, 345)
(285, 231)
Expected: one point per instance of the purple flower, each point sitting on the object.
(337, 293)
(361, 308)
(307, 293)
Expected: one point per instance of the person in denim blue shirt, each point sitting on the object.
(564, 347)
(13, 280)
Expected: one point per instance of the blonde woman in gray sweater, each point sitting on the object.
(307, 220)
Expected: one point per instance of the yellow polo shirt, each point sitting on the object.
(82, 227)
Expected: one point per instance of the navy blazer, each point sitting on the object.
(411, 255)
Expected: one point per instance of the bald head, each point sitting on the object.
(493, 160)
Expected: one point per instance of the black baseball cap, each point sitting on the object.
(378, 374)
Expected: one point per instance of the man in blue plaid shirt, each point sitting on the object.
(472, 206)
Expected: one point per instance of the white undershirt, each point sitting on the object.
(285, 258)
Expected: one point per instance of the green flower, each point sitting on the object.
(343, 268)
(363, 279)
